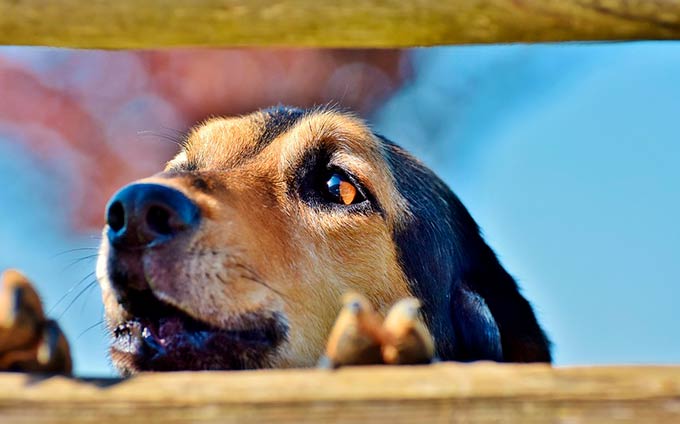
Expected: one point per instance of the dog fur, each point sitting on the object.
(270, 246)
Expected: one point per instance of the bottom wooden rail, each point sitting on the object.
(444, 392)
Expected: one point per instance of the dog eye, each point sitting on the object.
(342, 190)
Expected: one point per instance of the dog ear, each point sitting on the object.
(478, 334)
(522, 338)
(472, 306)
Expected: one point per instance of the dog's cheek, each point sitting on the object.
(234, 264)
(355, 252)
(275, 245)
(337, 256)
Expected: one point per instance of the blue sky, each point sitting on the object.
(567, 155)
(569, 158)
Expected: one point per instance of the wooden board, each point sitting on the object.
(341, 23)
(444, 392)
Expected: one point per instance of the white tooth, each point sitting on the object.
(146, 332)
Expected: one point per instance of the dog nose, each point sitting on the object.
(142, 215)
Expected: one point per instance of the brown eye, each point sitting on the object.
(341, 190)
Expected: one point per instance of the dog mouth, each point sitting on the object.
(162, 337)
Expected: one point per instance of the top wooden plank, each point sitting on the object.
(342, 23)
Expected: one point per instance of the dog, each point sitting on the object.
(237, 254)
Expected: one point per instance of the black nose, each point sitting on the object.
(142, 215)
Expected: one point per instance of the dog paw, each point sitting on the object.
(356, 336)
(361, 337)
(407, 341)
(29, 341)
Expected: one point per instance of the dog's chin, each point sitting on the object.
(170, 340)
(149, 334)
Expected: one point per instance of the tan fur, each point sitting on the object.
(406, 338)
(261, 249)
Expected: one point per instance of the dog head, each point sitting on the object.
(237, 254)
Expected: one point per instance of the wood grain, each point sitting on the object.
(341, 23)
(444, 392)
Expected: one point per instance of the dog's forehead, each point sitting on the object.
(224, 143)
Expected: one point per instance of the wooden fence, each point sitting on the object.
(439, 393)
(443, 392)
(340, 23)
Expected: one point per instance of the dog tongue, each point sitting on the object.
(176, 333)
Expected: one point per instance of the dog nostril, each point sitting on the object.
(158, 220)
(116, 216)
(143, 215)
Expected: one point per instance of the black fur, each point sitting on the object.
(278, 120)
(472, 306)
(275, 121)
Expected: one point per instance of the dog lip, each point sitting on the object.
(159, 335)
(174, 341)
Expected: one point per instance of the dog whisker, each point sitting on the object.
(180, 134)
(176, 140)
(232, 262)
(79, 260)
(69, 291)
(87, 296)
(254, 280)
(258, 281)
(78, 249)
(93, 326)
(80, 293)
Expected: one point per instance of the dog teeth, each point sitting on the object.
(129, 329)
(151, 341)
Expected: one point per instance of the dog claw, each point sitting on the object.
(16, 297)
(54, 354)
(20, 304)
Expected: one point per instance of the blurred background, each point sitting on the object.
(567, 155)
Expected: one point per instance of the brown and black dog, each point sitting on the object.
(237, 254)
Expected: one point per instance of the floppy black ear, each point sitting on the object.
(472, 306)
(478, 334)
